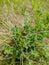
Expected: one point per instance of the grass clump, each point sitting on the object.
(28, 43)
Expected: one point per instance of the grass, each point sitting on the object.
(24, 32)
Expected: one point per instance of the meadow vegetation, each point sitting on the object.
(24, 32)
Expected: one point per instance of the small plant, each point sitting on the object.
(26, 41)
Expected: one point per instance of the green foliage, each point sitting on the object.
(7, 49)
(27, 41)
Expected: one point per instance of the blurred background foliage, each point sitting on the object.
(24, 32)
